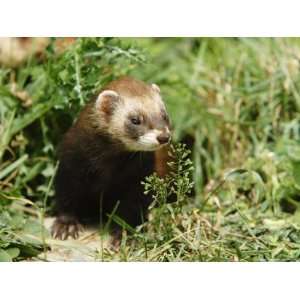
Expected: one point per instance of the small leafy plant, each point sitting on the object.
(177, 183)
(170, 194)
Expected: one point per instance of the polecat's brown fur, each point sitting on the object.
(105, 155)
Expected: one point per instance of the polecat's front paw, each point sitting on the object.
(66, 226)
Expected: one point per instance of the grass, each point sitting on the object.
(234, 102)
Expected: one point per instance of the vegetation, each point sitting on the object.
(234, 102)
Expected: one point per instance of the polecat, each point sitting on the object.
(106, 154)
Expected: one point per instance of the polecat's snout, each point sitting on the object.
(152, 139)
(164, 138)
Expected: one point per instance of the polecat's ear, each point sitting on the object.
(155, 87)
(107, 101)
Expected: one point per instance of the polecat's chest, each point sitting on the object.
(121, 172)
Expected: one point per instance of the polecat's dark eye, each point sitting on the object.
(135, 120)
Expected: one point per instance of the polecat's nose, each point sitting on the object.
(164, 138)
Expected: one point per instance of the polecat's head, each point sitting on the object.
(133, 113)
